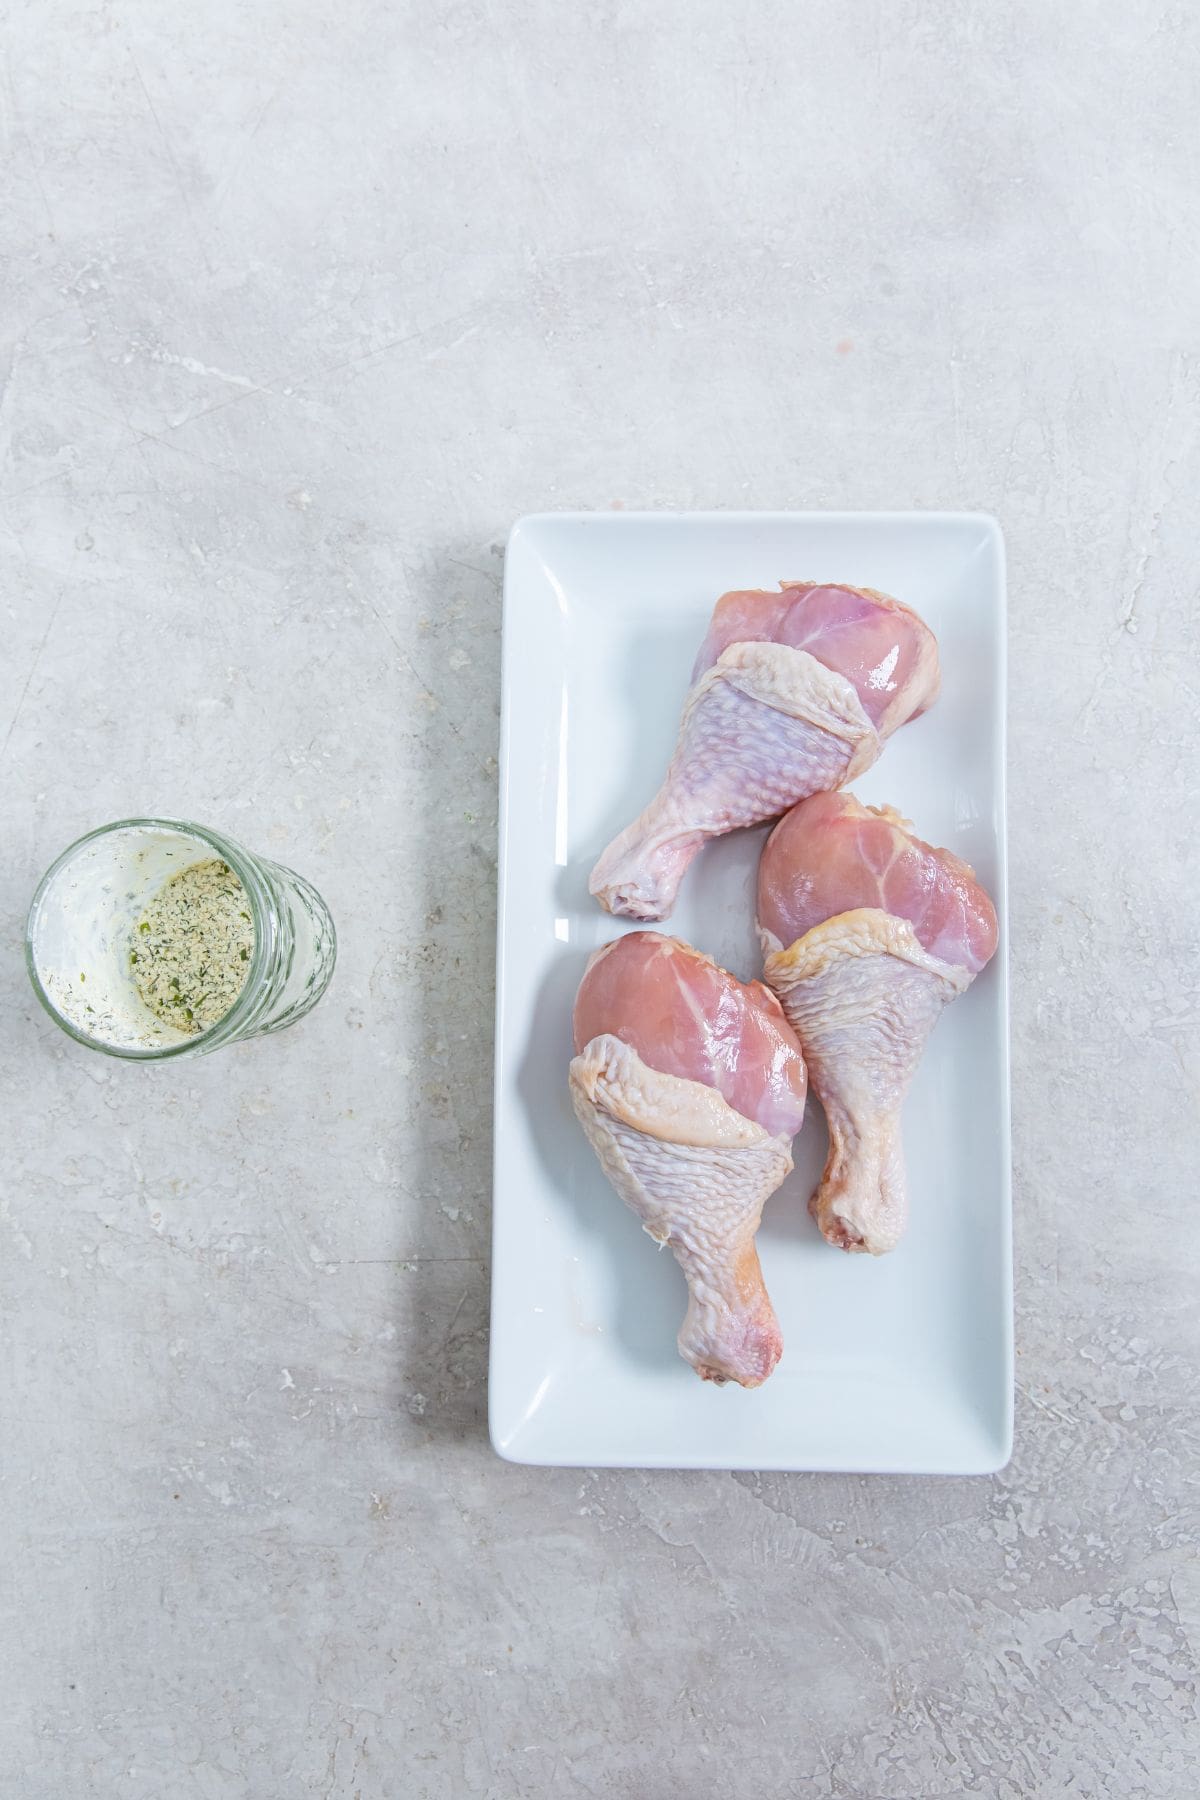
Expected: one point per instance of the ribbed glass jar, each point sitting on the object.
(84, 916)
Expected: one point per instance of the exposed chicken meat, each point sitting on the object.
(833, 855)
(867, 932)
(866, 636)
(686, 1016)
(793, 694)
(690, 1086)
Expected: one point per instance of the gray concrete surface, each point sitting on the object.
(303, 304)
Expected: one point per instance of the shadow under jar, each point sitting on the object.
(87, 917)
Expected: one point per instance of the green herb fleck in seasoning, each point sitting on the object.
(82, 976)
(193, 966)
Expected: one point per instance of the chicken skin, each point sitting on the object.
(690, 1086)
(793, 693)
(867, 934)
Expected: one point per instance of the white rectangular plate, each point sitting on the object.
(903, 1363)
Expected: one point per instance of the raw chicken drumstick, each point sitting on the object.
(690, 1087)
(867, 933)
(792, 693)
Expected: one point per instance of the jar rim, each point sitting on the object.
(244, 866)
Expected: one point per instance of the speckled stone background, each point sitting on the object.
(303, 304)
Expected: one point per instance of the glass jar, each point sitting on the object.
(84, 915)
